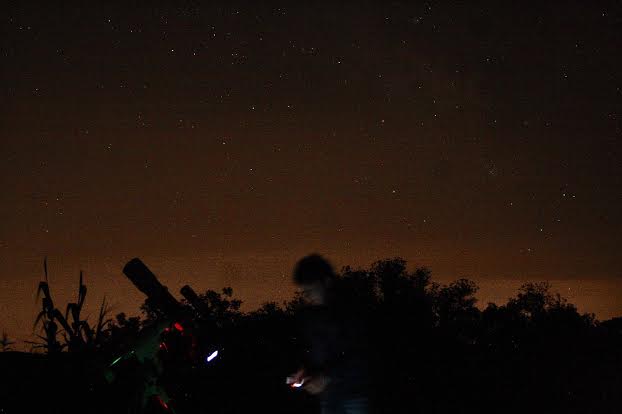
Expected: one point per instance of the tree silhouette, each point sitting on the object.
(5, 343)
(431, 348)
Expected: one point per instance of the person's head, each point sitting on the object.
(314, 275)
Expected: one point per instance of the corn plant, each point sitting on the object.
(48, 317)
(77, 333)
(94, 337)
(74, 331)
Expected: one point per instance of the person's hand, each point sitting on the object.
(296, 378)
(315, 385)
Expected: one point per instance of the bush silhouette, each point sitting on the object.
(431, 349)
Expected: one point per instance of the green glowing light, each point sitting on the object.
(116, 360)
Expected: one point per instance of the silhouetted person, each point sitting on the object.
(334, 366)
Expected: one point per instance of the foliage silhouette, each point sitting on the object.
(432, 350)
(5, 343)
(78, 335)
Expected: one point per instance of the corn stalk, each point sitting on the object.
(78, 334)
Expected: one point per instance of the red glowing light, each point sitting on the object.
(178, 326)
(162, 403)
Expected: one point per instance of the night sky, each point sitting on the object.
(221, 142)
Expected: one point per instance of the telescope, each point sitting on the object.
(146, 347)
(158, 295)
